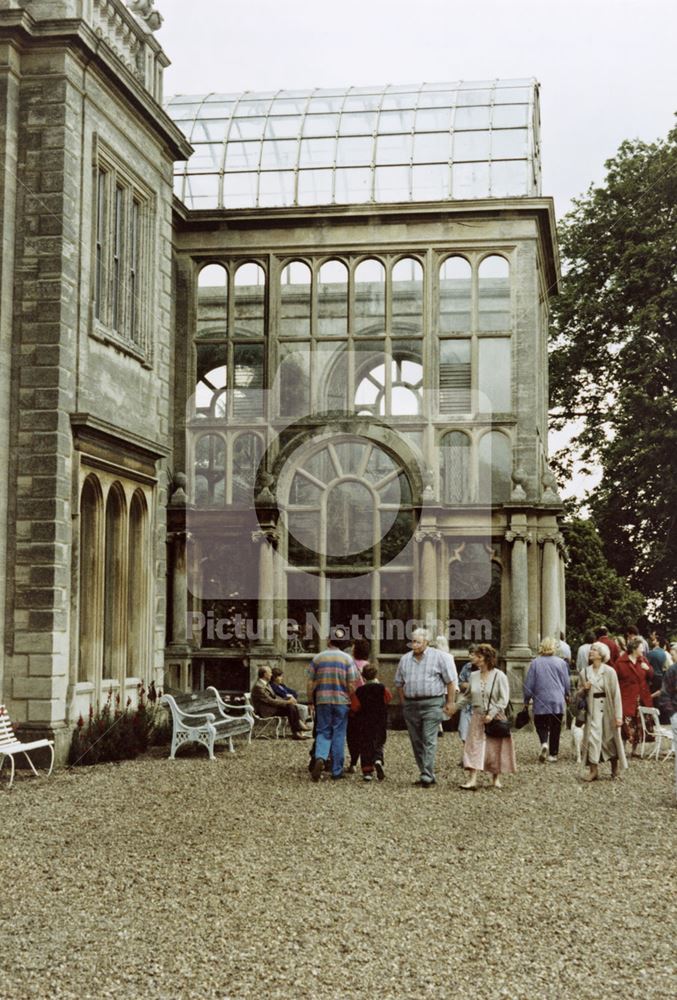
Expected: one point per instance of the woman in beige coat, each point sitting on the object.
(604, 714)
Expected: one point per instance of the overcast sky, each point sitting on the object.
(607, 68)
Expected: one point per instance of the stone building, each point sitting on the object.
(311, 385)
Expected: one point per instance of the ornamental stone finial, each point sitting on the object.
(146, 12)
(519, 483)
(549, 484)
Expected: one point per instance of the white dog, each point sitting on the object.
(577, 741)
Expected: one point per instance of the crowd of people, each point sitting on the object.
(603, 687)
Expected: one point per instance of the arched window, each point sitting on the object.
(495, 468)
(455, 467)
(249, 304)
(210, 471)
(137, 599)
(332, 300)
(494, 294)
(407, 297)
(295, 285)
(115, 584)
(455, 295)
(89, 630)
(390, 386)
(212, 298)
(370, 298)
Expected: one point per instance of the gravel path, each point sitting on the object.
(241, 879)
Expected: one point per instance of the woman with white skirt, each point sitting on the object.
(489, 695)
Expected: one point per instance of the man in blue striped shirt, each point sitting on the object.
(332, 677)
(426, 679)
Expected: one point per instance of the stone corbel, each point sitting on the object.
(269, 534)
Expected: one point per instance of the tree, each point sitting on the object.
(596, 594)
(614, 360)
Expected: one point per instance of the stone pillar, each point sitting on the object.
(263, 651)
(519, 592)
(550, 585)
(179, 658)
(428, 539)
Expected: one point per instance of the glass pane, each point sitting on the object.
(295, 300)
(315, 187)
(393, 99)
(353, 185)
(213, 132)
(206, 156)
(495, 468)
(495, 375)
(455, 468)
(319, 125)
(250, 109)
(470, 180)
(494, 294)
(393, 149)
(276, 188)
(431, 183)
(362, 102)
(370, 377)
(211, 380)
(357, 124)
(247, 380)
(293, 378)
(455, 376)
(397, 608)
(210, 459)
(472, 118)
(332, 300)
(278, 155)
(351, 525)
(250, 292)
(407, 295)
(396, 121)
(392, 184)
(455, 295)
(303, 608)
(512, 95)
(507, 143)
(507, 115)
(239, 190)
(433, 120)
(471, 146)
(317, 152)
(432, 147)
(212, 301)
(331, 366)
(282, 128)
(322, 105)
(370, 301)
(246, 128)
(464, 98)
(509, 179)
(354, 152)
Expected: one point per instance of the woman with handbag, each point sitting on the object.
(634, 676)
(604, 714)
(489, 745)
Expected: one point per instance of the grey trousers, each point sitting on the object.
(423, 717)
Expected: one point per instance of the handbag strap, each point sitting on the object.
(491, 692)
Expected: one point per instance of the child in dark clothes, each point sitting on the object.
(370, 704)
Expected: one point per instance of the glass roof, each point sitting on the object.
(429, 142)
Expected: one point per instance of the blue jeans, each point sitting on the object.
(330, 736)
(423, 717)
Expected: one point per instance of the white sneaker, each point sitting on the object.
(544, 753)
(552, 760)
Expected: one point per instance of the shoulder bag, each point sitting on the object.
(498, 728)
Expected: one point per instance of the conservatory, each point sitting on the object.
(361, 391)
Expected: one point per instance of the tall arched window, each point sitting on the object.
(495, 468)
(455, 467)
(138, 598)
(212, 297)
(89, 631)
(455, 295)
(407, 297)
(370, 298)
(494, 294)
(115, 584)
(249, 304)
(295, 287)
(332, 300)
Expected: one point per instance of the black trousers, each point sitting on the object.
(548, 728)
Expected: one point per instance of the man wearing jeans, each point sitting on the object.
(332, 678)
(426, 680)
(668, 702)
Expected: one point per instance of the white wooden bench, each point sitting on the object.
(204, 718)
(10, 746)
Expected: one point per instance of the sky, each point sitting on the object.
(607, 68)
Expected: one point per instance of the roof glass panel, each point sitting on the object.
(435, 141)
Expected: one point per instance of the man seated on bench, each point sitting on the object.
(266, 704)
(289, 694)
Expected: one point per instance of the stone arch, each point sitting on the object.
(115, 585)
(90, 579)
(138, 600)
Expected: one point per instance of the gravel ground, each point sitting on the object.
(242, 879)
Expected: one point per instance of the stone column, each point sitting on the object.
(550, 585)
(519, 592)
(263, 650)
(428, 539)
(179, 663)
